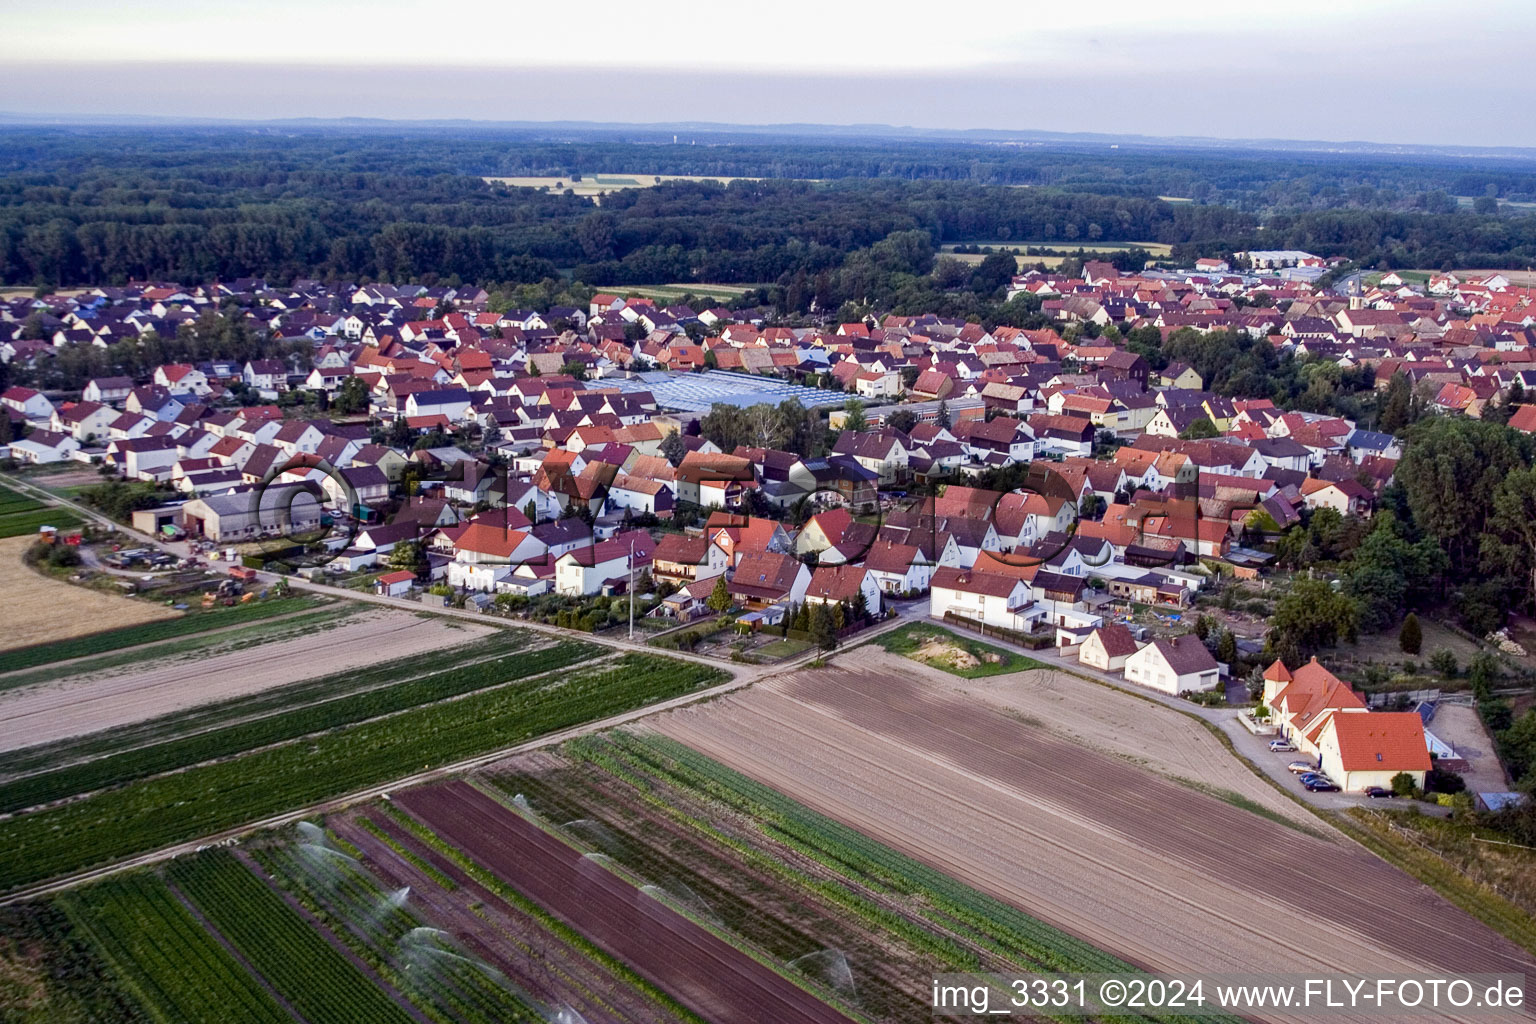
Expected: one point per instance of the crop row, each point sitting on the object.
(837, 890)
(419, 961)
(184, 649)
(165, 958)
(72, 981)
(572, 938)
(24, 522)
(315, 978)
(149, 632)
(209, 798)
(302, 721)
(981, 919)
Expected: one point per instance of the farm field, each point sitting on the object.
(115, 756)
(1137, 730)
(673, 292)
(40, 609)
(1135, 863)
(854, 919)
(78, 705)
(602, 184)
(214, 796)
(180, 624)
(712, 978)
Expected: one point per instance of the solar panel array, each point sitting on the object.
(696, 392)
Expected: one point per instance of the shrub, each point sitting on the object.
(1403, 785)
(1443, 662)
(1411, 637)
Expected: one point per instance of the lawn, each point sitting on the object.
(959, 655)
(781, 649)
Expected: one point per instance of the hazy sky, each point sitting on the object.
(1312, 69)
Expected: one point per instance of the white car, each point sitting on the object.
(1281, 746)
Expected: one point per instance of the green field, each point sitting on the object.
(309, 973)
(209, 798)
(17, 524)
(376, 692)
(992, 661)
(194, 621)
(669, 293)
(164, 957)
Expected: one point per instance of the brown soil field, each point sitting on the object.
(1166, 877)
(40, 609)
(513, 942)
(1142, 732)
(700, 970)
(81, 704)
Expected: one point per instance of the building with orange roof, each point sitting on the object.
(1358, 751)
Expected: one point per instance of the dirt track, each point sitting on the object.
(701, 971)
(1166, 877)
(41, 714)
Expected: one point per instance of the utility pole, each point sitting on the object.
(631, 589)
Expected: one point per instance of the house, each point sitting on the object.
(898, 568)
(883, 453)
(604, 567)
(1370, 748)
(83, 420)
(44, 446)
(107, 390)
(1107, 648)
(844, 584)
(1348, 497)
(265, 375)
(764, 578)
(988, 599)
(1176, 665)
(682, 559)
(31, 404)
(394, 584)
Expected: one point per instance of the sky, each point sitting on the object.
(1408, 71)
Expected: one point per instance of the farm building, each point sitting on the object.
(255, 513)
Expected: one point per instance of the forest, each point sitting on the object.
(83, 206)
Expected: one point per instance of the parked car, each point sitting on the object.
(1282, 746)
(1307, 777)
(1377, 792)
(1301, 767)
(1322, 785)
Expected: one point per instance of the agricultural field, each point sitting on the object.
(40, 609)
(670, 293)
(602, 184)
(85, 703)
(478, 708)
(954, 653)
(177, 625)
(751, 883)
(1148, 869)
